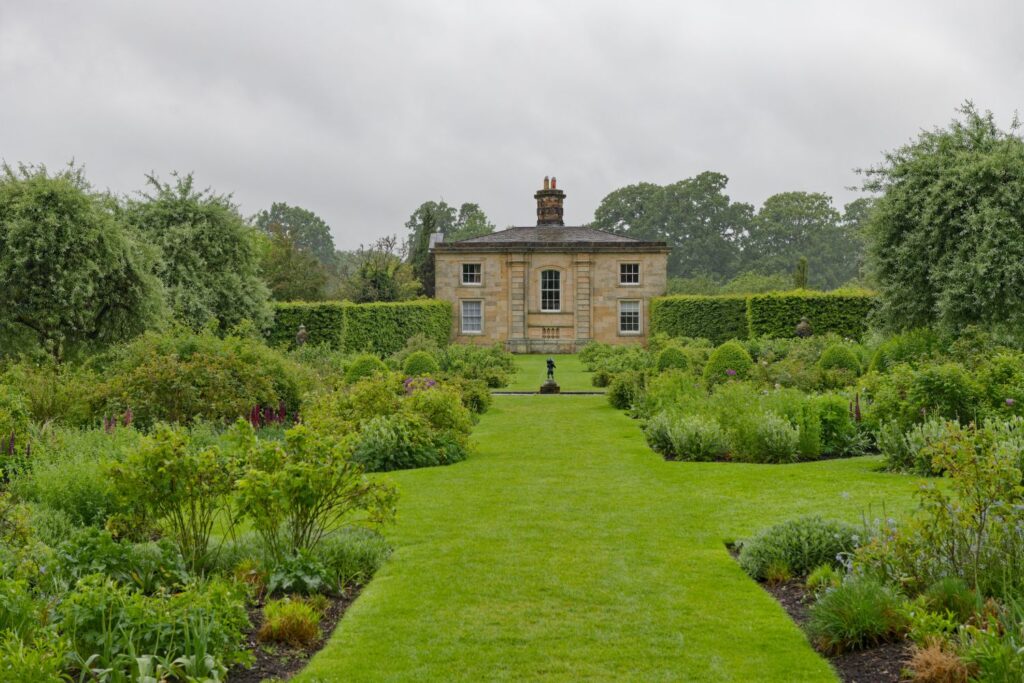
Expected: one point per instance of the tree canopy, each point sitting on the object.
(73, 275)
(380, 273)
(209, 261)
(304, 230)
(291, 273)
(946, 236)
(430, 217)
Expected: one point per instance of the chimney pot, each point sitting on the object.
(554, 182)
(547, 183)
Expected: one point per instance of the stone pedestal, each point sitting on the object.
(550, 387)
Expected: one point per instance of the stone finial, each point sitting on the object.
(301, 336)
(803, 328)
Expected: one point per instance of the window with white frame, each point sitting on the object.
(472, 274)
(472, 317)
(629, 317)
(629, 273)
(550, 290)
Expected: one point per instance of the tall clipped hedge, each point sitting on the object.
(324, 321)
(843, 312)
(384, 328)
(717, 318)
(381, 328)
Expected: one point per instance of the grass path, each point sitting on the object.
(569, 373)
(564, 549)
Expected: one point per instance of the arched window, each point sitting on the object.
(550, 290)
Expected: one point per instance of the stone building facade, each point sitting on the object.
(549, 288)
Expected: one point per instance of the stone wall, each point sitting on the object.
(510, 292)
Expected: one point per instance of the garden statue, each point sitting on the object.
(803, 328)
(301, 336)
(550, 386)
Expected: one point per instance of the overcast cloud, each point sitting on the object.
(360, 111)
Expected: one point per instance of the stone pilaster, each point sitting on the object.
(582, 266)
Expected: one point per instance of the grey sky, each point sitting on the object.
(360, 111)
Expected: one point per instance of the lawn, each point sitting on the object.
(532, 370)
(564, 549)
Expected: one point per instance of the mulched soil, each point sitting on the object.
(276, 661)
(880, 664)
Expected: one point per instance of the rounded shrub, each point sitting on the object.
(626, 389)
(601, 378)
(947, 391)
(672, 357)
(289, 621)
(420, 364)
(728, 361)
(859, 613)
(952, 594)
(839, 357)
(658, 432)
(696, 437)
(775, 440)
(364, 365)
(801, 544)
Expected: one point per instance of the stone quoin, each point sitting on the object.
(549, 288)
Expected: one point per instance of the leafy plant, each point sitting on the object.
(839, 357)
(364, 366)
(299, 573)
(293, 622)
(801, 544)
(672, 357)
(420, 364)
(859, 613)
(728, 361)
(699, 438)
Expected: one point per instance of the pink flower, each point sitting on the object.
(730, 372)
(1010, 402)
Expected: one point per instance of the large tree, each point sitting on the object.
(946, 237)
(209, 260)
(380, 273)
(72, 276)
(439, 217)
(305, 230)
(794, 225)
(695, 216)
(291, 273)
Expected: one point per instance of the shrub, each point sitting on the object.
(301, 572)
(994, 648)
(717, 318)
(441, 407)
(674, 390)
(671, 357)
(341, 412)
(907, 452)
(699, 438)
(774, 440)
(52, 392)
(324, 321)
(839, 435)
(947, 391)
(909, 347)
(14, 418)
(839, 357)
(293, 622)
(299, 490)
(601, 378)
(935, 663)
(364, 366)
(492, 364)
(626, 389)
(858, 614)
(658, 432)
(728, 361)
(40, 660)
(840, 312)
(801, 545)
(351, 556)
(951, 594)
(179, 376)
(473, 392)
(824, 577)
(420, 364)
(398, 442)
(384, 328)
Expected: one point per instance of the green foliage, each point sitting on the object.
(420, 364)
(289, 621)
(53, 392)
(909, 396)
(841, 312)
(801, 545)
(490, 364)
(716, 318)
(351, 556)
(824, 577)
(404, 441)
(728, 361)
(324, 321)
(290, 273)
(473, 392)
(74, 277)
(180, 486)
(41, 660)
(364, 366)
(952, 594)
(756, 283)
(772, 439)
(438, 217)
(839, 357)
(699, 438)
(626, 389)
(179, 376)
(209, 262)
(384, 328)
(994, 647)
(14, 417)
(301, 572)
(380, 273)
(907, 451)
(944, 237)
(296, 491)
(672, 357)
(858, 614)
(309, 233)
(913, 346)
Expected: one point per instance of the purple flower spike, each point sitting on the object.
(1010, 402)
(730, 372)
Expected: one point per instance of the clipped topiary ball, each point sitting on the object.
(728, 361)
(364, 365)
(672, 357)
(420, 364)
(839, 357)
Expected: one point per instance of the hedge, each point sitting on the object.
(717, 318)
(381, 328)
(324, 321)
(843, 312)
(384, 328)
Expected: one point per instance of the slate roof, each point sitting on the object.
(549, 237)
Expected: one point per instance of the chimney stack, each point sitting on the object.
(549, 203)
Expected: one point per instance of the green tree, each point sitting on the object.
(695, 216)
(291, 273)
(381, 274)
(71, 275)
(431, 217)
(305, 230)
(791, 225)
(210, 263)
(757, 283)
(946, 237)
(800, 273)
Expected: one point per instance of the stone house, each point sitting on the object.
(549, 288)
